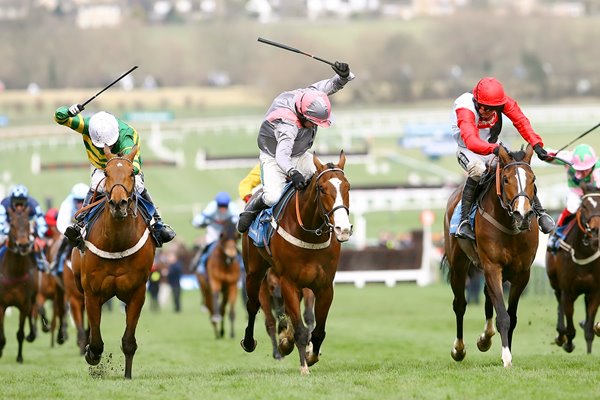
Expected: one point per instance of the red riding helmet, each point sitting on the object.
(51, 216)
(314, 105)
(489, 92)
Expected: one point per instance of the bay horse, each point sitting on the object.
(506, 235)
(74, 298)
(276, 321)
(18, 277)
(575, 270)
(223, 270)
(117, 259)
(303, 255)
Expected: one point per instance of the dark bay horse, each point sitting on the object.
(506, 232)
(223, 270)
(18, 277)
(575, 270)
(303, 255)
(117, 259)
(276, 321)
(74, 297)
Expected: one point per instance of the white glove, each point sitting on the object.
(75, 109)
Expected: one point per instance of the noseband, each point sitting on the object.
(326, 226)
(500, 186)
(584, 223)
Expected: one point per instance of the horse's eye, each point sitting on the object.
(505, 179)
(132, 173)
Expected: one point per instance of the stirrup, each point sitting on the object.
(469, 234)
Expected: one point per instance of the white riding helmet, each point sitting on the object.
(104, 129)
(79, 191)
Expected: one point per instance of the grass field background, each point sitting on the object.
(382, 343)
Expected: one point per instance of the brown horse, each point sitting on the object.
(18, 277)
(276, 321)
(303, 255)
(575, 270)
(117, 259)
(74, 297)
(223, 271)
(506, 242)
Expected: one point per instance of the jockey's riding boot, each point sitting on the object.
(163, 232)
(73, 234)
(247, 216)
(464, 229)
(545, 221)
(40, 261)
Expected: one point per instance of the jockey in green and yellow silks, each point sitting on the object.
(97, 131)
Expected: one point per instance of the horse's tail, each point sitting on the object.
(445, 268)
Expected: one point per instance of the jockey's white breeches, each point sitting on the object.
(274, 179)
(97, 182)
(475, 164)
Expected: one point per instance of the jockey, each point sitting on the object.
(249, 184)
(476, 125)
(50, 218)
(98, 130)
(66, 216)
(19, 199)
(286, 133)
(213, 217)
(584, 169)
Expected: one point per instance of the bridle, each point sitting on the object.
(108, 193)
(583, 221)
(326, 226)
(16, 248)
(500, 191)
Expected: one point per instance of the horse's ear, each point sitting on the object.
(528, 154)
(108, 153)
(317, 162)
(132, 154)
(503, 155)
(342, 161)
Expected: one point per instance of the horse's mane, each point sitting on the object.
(517, 155)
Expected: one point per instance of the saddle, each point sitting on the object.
(262, 228)
(486, 183)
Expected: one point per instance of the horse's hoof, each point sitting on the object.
(90, 357)
(568, 347)
(312, 359)
(248, 348)
(60, 340)
(458, 355)
(31, 337)
(20, 359)
(484, 344)
(285, 346)
(277, 356)
(597, 328)
(559, 340)
(45, 328)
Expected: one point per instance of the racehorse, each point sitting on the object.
(276, 321)
(575, 270)
(117, 258)
(18, 277)
(506, 242)
(223, 270)
(303, 255)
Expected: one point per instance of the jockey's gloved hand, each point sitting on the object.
(541, 153)
(75, 109)
(342, 69)
(496, 150)
(297, 179)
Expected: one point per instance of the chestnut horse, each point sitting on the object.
(303, 255)
(18, 277)
(223, 270)
(575, 270)
(276, 321)
(506, 233)
(117, 259)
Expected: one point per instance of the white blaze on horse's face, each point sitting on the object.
(521, 177)
(343, 227)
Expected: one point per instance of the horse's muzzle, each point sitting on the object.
(119, 210)
(343, 234)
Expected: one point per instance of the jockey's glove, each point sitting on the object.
(297, 179)
(75, 109)
(541, 153)
(342, 69)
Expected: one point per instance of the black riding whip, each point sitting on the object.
(113, 82)
(578, 137)
(285, 47)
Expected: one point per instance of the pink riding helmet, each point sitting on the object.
(583, 157)
(314, 105)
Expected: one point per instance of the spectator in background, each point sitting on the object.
(175, 270)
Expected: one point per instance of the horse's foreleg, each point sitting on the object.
(291, 297)
(322, 304)
(493, 282)
(567, 301)
(23, 315)
(128, 342)
(560, 320)
(216, 317)
(254, 277)
(59, 314)
(484, 342)
(270, 323)
(231, 298)
(309, 309)
(516, 290)
(95, 346)
(458, 280)
(591, 309)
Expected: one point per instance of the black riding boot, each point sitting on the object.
(545, 221)
(247, 216)
(73, 232)
(464, 230)
(61, 249)
(163, 233)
